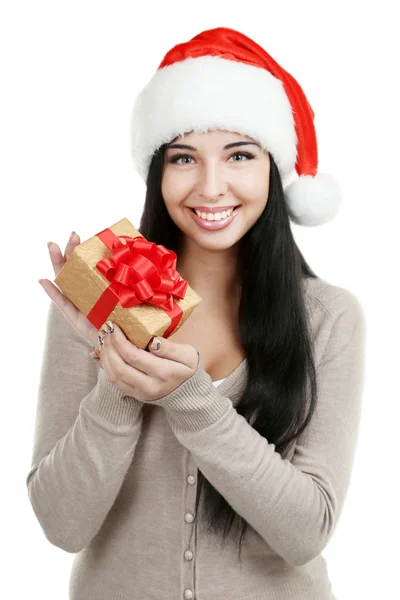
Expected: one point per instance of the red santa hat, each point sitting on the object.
(221, 79)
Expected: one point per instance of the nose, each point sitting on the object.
(212, 182)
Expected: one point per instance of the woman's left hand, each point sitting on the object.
(145, 375)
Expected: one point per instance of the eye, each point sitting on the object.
(245, 154)
(178, 157)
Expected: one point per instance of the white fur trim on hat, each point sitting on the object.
(210, 92)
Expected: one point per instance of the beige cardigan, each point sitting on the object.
(114, 479)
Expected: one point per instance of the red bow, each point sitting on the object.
(139, 272)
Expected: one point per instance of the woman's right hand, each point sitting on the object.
(77, 319)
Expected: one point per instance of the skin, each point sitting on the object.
(209, 175)
(212, 176)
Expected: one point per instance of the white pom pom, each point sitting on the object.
(313, 201)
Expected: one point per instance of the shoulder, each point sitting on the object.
(334, 312)
(330, 300)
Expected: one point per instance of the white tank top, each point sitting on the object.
(219, 381)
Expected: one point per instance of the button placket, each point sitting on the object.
(189, 528)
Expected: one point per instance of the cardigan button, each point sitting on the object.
(188, 594)
(189, 517)
(188, 555)
(191, 479)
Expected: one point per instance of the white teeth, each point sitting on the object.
(214, 216)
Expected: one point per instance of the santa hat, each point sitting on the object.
(221, 79)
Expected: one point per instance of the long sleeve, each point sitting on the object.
(86, 433)
(293, 505)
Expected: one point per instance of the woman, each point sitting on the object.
(241, 427)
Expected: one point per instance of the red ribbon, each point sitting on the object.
(140, 272)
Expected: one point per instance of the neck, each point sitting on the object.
(212, 274)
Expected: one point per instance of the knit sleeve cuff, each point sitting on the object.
(111, 403)
(195, 404)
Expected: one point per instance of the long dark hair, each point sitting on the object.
(273, 325)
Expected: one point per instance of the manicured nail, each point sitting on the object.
(101, 341)
(94, 354)
(110, 326)
(155, 344)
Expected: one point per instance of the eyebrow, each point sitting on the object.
(232, 145)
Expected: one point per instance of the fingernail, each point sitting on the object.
(70, 237)
(101, 341)
(110, 326)
(94, 354)
(155, 344)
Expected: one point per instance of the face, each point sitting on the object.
(215, 170)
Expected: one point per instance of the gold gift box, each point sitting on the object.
(82, 283)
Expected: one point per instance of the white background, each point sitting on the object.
(69, 75)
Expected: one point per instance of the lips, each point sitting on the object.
(214, 225)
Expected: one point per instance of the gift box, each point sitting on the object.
(119, 275)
